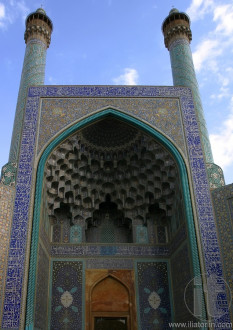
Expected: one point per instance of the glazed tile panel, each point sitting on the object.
(154, 305)
(109, 263)
(108, 250)
(66, 309)
(18, 247)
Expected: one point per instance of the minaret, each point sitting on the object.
(37, 38)
(177, 37)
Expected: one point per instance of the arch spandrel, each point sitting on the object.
(59, 114)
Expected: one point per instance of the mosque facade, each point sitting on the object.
(113, 214)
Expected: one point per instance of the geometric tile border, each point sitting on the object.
(14, 302)
(122, 250)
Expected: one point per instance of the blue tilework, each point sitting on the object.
(67, 280)
(184, 75)
(141, 234)
(109, 263)
(154, 307)
(108, 250)
(32, 74)
(18, 248)
(76, 234)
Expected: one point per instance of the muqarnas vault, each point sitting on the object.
(113, 214)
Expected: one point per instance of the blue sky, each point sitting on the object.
(120, 42)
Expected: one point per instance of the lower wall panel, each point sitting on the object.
(154, 307)
(67, 295)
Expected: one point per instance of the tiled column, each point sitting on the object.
(177, 37)
(37, 37)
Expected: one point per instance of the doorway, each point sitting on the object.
(113, 323)
(111, 300)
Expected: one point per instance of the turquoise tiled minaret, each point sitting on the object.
(177, 37)
(37, 38)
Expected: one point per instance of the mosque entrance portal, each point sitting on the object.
(113, 231)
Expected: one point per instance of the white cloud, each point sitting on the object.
(209, 56)
(224, 16)
(22, 8)
(199, 8)
(211, 61)
(10, 12)
(223, 93)
(206, 51)
(130, 77)
(224, 80)
(222, 142)
(2, 14)
(2, 10)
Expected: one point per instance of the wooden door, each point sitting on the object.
(110, 300)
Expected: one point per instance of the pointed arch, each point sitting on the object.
(110, 298)
(39, 179)
(112, 276)
(119, 292)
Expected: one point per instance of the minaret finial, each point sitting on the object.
(38, 26)
(176, 25)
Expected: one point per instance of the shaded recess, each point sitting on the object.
(111, 183)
